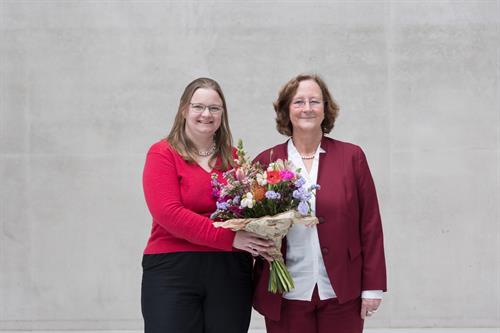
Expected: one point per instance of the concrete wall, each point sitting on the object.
(87, 86)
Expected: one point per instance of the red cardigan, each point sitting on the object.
(179, 197)
(349, 229)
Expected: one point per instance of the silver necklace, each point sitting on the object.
(208, 152)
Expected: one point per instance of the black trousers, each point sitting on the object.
(197, 292)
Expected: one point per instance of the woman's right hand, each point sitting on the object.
(253, 243)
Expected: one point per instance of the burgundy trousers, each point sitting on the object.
(317, 316)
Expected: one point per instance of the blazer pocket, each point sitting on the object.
(354, 252)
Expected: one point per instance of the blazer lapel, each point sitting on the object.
(331, 180)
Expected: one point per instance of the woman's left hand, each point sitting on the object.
(369, 306)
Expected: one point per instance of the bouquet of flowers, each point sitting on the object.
(266, 202)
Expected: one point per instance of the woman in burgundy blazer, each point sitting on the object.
(338, 266)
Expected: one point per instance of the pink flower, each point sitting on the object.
(240, 174)
(287, 174)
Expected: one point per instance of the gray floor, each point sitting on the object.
(378, 330)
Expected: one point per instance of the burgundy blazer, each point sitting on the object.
(349, 229)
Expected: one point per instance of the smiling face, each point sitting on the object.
(204, 123)
(307, 109)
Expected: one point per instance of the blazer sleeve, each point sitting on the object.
(372, 243)
(162, 193)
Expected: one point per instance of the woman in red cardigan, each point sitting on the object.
(194, 277)
(338, 267)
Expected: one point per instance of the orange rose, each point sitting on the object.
(258, 192)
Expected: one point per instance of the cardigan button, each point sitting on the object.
(324, 250)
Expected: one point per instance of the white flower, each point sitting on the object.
(247, 201)
(262, 179)
(279, 165)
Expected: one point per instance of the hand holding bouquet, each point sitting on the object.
(266, 202)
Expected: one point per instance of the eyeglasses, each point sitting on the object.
(301, 103)
(199, 108)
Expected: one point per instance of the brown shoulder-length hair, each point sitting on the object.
(223, 139)
(282, 104)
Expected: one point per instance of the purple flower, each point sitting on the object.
(301, 194)
(236, 200)
(273, 195)
(303, 208)
(286, 174)
(222, 205)
(215, 193)
(314, 187)
(300, 182)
